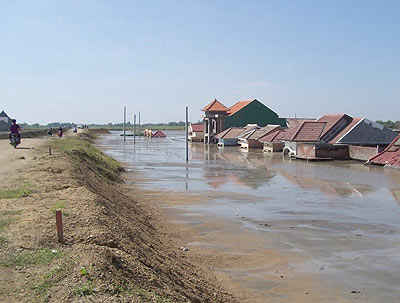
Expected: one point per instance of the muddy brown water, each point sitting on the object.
(342, 217)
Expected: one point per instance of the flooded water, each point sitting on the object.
(344, 216)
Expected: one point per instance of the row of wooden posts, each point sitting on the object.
(134, 129)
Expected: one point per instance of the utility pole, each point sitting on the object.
(124, 122)
(134, 129)
(139, 121)
(186, 134)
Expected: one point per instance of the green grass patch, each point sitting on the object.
(26, 258)
(53, 277)
(3, 241)
(59, 205)
(4, 222)
(10, 212)
(85, 289)
(15, 193)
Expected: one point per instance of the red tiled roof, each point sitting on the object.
(330, 120)
(278, 135)
(231, 133)
(296, 122)
(259, 133)
(198, 127)
(390, 156)
(345, 130)
(309, 131)
(238, 106)
(215, 106)
(270, 137)
(159, 134)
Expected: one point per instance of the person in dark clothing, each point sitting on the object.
(14, 129)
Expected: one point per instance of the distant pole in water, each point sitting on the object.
(186, 134)
(134, 129)
(139, 121)
(124, 122)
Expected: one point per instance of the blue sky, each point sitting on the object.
(82, 61)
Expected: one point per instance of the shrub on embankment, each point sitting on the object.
(134, 261)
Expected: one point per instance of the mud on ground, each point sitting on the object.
(114, 249)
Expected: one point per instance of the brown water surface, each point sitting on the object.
(336, 222)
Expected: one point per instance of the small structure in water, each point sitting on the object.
(158, 134)
(196, 132)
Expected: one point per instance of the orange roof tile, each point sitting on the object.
(238, 106)
(215, 106)
(198, 127)
(270, 137)
(309, 131)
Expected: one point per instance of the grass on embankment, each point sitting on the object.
(82, 150)
(15, 193)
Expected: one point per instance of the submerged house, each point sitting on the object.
(341, 137)
(218, 117)
(363, 137)
(158, 134)
(308, 145)
(390, 157)
(273, 141)
(230, 136)
(5, 121)
(196, 132)
(252, 139)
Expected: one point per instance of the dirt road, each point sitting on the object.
(12, 159)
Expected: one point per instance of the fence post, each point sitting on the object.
(59, 224)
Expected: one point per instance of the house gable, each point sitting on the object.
(252, 112)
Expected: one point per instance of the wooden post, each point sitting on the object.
(186, 134)
(124, 122)
(59, 224)
(50, 150)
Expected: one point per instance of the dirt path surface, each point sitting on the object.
(12, 159)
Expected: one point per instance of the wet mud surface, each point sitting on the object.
(337, 223)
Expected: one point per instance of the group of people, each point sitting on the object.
(15, 131)
(60, 131)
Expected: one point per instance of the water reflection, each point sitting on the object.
(343, 214)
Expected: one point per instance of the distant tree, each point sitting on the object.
(389, 123)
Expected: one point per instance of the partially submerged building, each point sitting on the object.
(158, 134)
(218, 117)
(196, 132)
(5, 121)
(390, 157)
(341, 137)
(230, 136)
(252, 138)
(363, 137)
(306, 143)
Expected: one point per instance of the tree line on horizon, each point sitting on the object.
(389, 124)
